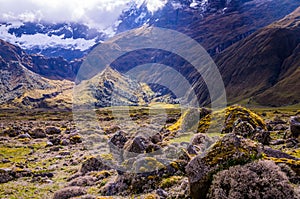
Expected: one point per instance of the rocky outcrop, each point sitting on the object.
(229, 151)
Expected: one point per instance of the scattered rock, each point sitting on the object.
(24, 136)
(52, 130)
(254, 180)
(38, 133)
(136, 146)
(54, 140)
(6, 175)
(49, 144)
(65, 153)
(93, 164)
(118, 140)
(261, 136)
(295, 126)
(69, 192)
(75, 138)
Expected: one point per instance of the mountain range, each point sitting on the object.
(258, 60)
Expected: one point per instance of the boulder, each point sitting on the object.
(229, 151)
(6, 175)
(295, 126)
(52, 130)
(93, 164)
(136, 146)
(38, 133)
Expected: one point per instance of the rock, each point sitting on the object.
(93, 164)
(202, 141)
(69, 192)
(83, 181)
(261, 136)
(157, 138)
(112, 130)
(134, 147)
(118, 140)
(236, 114)
(162, 193)
(13, 131)
(38, 133)
(192, 150)
(24, 136)
(254, 180)
(243, 128)
(65, 142)
(75, 138)
(280, 127)
(52, 130)
(65, 153)
(295, 126)
(277, 142)
(229, 151)
(277, 154)
(4, 161)
(49, 144)
(54, 140)
(6, 175)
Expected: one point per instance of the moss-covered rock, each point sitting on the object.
(234, 115)
(189, 120)
(229, 151)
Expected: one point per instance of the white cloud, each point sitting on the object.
(97, 13)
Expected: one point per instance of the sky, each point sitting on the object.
(97, 13)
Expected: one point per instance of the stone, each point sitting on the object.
(93, 164)
(6, 175)
(69, 192)
(83, 181)
(134, 147)
(24, 136)
(229, 151)
(295, 126)
(52, 130)
(38, 133)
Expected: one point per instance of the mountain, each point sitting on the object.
(264, 68)
(111, 88)
(56, 68)
(69, 40)
(216, 24)
(20, 87)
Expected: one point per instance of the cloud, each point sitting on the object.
(101, 14)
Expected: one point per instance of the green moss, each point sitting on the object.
(14, 154)
(169, 182)
(233, 113)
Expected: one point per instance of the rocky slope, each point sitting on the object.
(21, 87)
(111, 88)
(264, 67)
